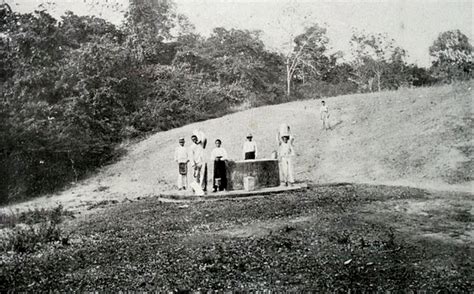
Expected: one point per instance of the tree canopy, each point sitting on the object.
(452, 55)
(377, 59)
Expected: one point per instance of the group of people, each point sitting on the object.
(219, 155)
(195, 155)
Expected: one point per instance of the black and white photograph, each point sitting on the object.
(196, 146)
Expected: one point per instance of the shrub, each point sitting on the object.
(31, 237)
(29, 230)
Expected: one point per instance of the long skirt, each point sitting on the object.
(220, 178)
(183, 168)
(200, 175)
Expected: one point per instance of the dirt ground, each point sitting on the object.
(328, 238)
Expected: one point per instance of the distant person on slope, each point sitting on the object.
(249, 150)
(181, 157)
(219, 156)
(324, 115)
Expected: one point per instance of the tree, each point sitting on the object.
(62, 108)
(72, 89)
(78, 30)
(420, 76)
(396, 72)
(308, 55)
(452, 55)
(373, 56)
(236, 60)
(152, 27)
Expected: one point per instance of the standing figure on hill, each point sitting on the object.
(285, 154)
(197, 157)
(219, 156)
(181, 157)
(324, 115)
(249, 150)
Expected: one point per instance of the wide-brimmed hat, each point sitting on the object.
(249, 135)
(181, 139)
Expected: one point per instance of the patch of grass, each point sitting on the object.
(31, 238)
(30, 230)
(464, 172)
(102, 203)
(462, 215)
(316, 240)
(34, 216)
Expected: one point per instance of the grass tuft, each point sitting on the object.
(28, 231)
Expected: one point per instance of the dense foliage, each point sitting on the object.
(72, 89)
(453, 56)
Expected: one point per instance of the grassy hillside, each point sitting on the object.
(416, 137)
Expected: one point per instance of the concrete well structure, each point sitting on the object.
(265, 171)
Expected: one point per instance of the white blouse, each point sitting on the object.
(219, 152)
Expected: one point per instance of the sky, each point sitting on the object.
(414, 24)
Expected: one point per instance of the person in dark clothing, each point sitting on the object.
(219, 156)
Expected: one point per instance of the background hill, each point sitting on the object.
(414, 137)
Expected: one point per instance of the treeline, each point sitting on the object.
(72, 89)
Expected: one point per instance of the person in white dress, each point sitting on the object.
(285, 154)
(197, 157)
(181, 157)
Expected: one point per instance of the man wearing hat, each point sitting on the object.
(249, 151)
(181, 157)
